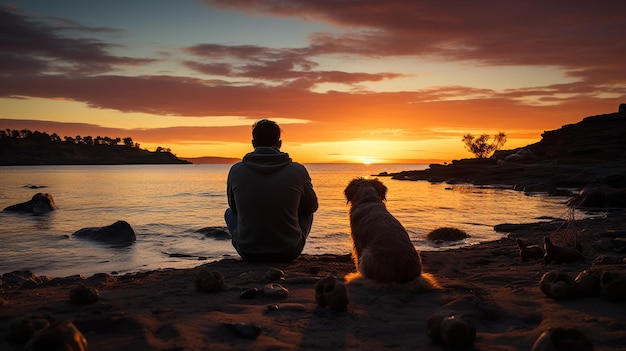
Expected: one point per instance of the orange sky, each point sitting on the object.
(385, 81)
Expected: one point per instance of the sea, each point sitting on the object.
(169, 205)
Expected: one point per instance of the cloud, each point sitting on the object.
(293, 67)
(43, 49)
(585, 38)
(56, 59)
(40, 59)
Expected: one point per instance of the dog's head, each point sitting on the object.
(361, 189)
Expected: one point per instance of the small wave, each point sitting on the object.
(475, 224)
(188, 194)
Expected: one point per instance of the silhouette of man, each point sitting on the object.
(271, 200)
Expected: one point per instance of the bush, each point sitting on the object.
(481, 147)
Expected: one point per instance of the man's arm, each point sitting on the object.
(308, 203)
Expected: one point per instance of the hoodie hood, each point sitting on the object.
(266, 159)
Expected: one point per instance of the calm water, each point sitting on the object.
(167, 204)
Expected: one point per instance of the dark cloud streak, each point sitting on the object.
(46, 51)
(580, 36)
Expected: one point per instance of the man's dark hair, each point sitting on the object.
(265, 133)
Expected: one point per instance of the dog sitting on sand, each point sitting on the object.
(383, 253)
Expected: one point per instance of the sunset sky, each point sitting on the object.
(349, 81)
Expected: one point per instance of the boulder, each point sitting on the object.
(217, 233)
(40, 203)
(119, 232)
(447, 234)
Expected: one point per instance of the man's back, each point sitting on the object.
(269, 193)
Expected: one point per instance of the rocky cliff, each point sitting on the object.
(590, 153)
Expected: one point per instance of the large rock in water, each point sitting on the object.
(119, 232)
(40, 203)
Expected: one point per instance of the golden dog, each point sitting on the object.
(382, 251)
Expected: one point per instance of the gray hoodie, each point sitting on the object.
(268, 191)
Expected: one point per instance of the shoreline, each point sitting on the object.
(487, 282)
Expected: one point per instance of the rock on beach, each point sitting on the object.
(119, 232)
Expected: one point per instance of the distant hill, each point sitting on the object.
(212, 160)
(36, 148)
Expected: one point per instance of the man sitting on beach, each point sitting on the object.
(271, 200)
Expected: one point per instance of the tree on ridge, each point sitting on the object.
(481, 147)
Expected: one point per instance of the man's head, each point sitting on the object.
(266, 133)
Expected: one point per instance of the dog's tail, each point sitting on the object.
(424, 283)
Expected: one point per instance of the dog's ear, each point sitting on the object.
(381, 189)
(350, 190)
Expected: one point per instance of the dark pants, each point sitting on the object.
(305, 221)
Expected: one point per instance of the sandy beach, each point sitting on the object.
(488, 283)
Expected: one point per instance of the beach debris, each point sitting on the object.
(274, 274)
(208, 280)
(247, 330)
(560, 254)
(58, 336)
(21, 329)
(587, 283)
(276, 291)
(331, 292)
(561, 339)
(84, 295)
(40, 203)
(297, 307)
(249, 293)
(527, 253)
(558, 285)
(452, 330)
(613, 286)
(447, 234)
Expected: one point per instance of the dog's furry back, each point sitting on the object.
(382, 251)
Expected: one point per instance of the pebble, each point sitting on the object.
(331, 292)
(554, 338)
(275, 290)
(84, 295)
(456, 331)
(247, 330)
(297, 307)
(274, 274)
(249, 293)
(209, 281)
